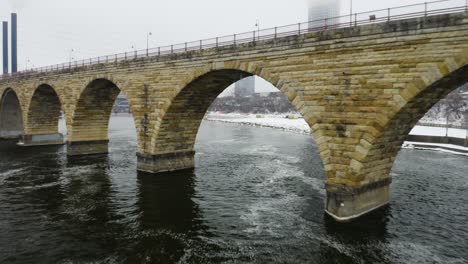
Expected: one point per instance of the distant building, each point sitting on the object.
(121, 105)
(322, 9)
(245, 87)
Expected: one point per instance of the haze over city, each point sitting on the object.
(53, 31)
(49, 29)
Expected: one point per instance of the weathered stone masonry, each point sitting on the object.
(360, 89)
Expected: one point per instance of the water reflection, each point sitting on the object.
(165, 201)
(256, 196)
(348, 232)
(56, 203)
(370, 233)
(168, 219)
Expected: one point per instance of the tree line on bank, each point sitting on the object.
(453, 109)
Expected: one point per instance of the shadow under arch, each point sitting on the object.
(169, 221)
(42, 118)
(172, 145)
(11, 115)
(88, 131)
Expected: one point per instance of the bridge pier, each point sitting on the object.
(96, 147)
(360, 89)
(345, 203)
(162, 162)
(41, 140)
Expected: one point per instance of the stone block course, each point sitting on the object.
(360, 89)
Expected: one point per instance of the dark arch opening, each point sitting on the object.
(11, 117)
(89, 129)
(173, 147)
(187, 110)
(42, 126)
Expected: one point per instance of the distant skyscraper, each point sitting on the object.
(245, 87)
(321, 9)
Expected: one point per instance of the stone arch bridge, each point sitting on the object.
(361, 90)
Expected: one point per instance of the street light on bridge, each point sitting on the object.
(147, 42)
(257, 24)
(71, 52)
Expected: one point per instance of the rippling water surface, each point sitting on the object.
(256, 195)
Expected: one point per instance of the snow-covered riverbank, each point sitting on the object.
(274, 121)
(280, 121)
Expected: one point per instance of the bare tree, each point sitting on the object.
(454, 107)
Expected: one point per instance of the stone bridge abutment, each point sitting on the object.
(360, 89)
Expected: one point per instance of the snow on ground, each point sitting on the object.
(299, 125)
(449, 148)
(438, 131)
(440, 120)
(270, 120)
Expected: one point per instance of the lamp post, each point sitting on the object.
(257, 24)
(134, 51)
(351, 13)
(71, 52)
(147, 42)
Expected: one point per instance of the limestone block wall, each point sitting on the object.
(11, 122)
(44, 112)
(360, 89)
(181, 121)
(92, 111)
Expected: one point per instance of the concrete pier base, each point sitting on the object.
(41, 140)
(96, 147)
(163, 162)
(346, 203)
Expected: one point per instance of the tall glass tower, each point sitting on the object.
(245, 87)
(321, 9)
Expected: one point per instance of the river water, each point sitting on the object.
(256, 195)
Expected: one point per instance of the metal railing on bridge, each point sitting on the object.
(345, 21)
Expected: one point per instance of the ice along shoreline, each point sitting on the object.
(297, 124)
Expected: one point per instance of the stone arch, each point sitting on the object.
(42, 118)
(11, 115)
(383, 150)
(368, 173)
(362, 182)
(89, 126)
(234, 71)
(178, 124)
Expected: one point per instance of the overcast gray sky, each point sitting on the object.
(49, 29)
